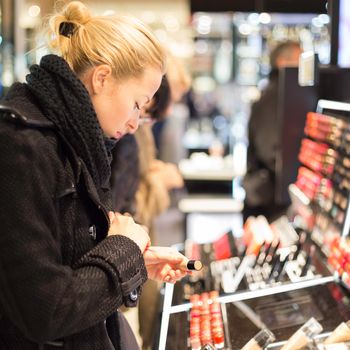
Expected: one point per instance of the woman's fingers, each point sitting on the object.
(174, 275)
(111, 216)
(167, 279)
(163, 254)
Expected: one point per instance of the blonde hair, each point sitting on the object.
(121, 42)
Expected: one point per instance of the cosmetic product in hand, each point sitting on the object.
(192, 265)
(340, 334)
(260, 340)
(303, 335)
(308, 261)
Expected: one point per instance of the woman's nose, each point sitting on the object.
(133, 124)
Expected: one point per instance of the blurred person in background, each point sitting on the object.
(263, 137)
(125, 174)
(67, 260)
(157, 178)
(170, 130)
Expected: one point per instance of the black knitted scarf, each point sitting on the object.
(66, 102)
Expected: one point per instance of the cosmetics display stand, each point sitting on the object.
(323, 176)
(280, 282)
(281, 309)
(280, 306)
(243, 293)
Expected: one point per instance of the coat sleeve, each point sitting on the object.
(45, 299)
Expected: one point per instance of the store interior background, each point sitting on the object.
(226, 52)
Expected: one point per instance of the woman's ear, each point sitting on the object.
(100, 76)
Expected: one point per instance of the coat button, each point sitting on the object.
(92, 232)
(133, 295)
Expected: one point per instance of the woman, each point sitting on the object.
(67, 262)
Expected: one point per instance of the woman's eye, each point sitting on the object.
(137, 106)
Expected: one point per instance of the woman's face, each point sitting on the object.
(118, 104)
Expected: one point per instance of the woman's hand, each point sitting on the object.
(125, 225)
(165, 264)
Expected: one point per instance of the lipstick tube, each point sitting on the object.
(271, 255)
(308, 261)
(262, 247)
(192, 265)
(266, 253)
(301, 241)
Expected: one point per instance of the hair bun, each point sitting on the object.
(76, 12)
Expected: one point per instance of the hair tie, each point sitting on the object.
(67, 29)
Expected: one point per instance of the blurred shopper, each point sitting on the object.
(125, 174)
(67, 262)
(259, 181)
(170, 129)
(157, 178)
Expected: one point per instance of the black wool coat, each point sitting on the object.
(60, 276)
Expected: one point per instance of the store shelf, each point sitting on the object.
(240, 296)
(210, 204)
(212, 172)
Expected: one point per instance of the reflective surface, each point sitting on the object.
(282, 313)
